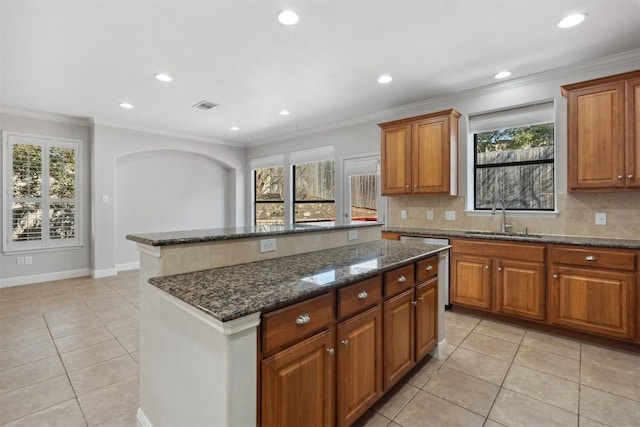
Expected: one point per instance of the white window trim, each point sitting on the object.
(516, 120)
(46, 244)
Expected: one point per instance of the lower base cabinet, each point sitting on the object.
(399, 342)
(426, 317)
(297, 385)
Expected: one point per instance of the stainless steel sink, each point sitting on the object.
(500, 234)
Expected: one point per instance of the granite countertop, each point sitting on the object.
(229, 233)
(227, 293)
(532, 238)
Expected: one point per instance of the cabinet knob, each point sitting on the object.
(414, 302)
(620, 176)
(415, 185)
(429, 267)
(303, 319)
(420, 298)
(555, 276)
(330, 351)
(345, 343)
(486, 267)
(590, 258)
(630, 176)
(402, 279)
(407, 185)
(363, 295)
(499, 268)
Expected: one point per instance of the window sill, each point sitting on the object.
(521, 214)
(41, 250)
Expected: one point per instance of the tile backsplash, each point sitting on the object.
(576, 215)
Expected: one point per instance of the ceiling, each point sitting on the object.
(82, 58)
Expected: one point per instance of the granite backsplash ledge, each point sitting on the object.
(576, 215)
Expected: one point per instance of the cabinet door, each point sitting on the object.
(596, 137)
(597, 301)
(426, 317)
(633, 133)
(396, 159)
(298, 384)
(430, 150)
(359, 353)
(399, 337)
(520, 289)
(471, 281)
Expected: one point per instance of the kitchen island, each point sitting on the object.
(200, 329)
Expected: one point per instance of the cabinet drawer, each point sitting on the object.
(290, 324)
(594, 257)
(398, 280)
(517, 251)
(426, 269)
(357, 297)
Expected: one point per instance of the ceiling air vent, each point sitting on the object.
(205, 105)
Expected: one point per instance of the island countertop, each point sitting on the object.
(230, 233)
(227, 293)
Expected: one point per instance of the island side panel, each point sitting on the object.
(194, 370)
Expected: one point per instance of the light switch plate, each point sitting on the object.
(403, 214)
(450, 215)
(601, 218)
(429, 214)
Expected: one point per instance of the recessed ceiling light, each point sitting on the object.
(163, 77)
(384, 79)
(288, 17)
(126, 105)
(572, 20)
(284, 113)
(235, 128)
(502, 75)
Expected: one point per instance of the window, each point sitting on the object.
(362, 189)
(268, 190)
(514, 158)
(41, 192)
(313, 185)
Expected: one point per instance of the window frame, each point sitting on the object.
(535, 108)
(256, 202)
(294, 201)
(46, 243)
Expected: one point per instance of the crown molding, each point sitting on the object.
(591, 66)
(41, 115)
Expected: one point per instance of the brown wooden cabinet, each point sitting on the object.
(603, 137)
(593, 290)
(359, 358)
(419, 154)
(426, 317)
(298, 383)
(509, 278)
(399, 341)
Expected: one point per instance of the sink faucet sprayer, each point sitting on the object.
(504, 226)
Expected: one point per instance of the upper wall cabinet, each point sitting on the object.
(420, 154)
(604, 133)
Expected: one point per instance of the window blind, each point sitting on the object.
(267, 162)
(318, 154)
(534, 114)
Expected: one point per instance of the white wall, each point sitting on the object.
(164, 191)
(113, 145)
(364, 137)
(63, 263)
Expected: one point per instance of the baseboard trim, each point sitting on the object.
(45, 277)
(128, 266)
(106, 272)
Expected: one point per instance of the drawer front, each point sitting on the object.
(594, 257)
(517, 251)
(398, 280)
(427, 268)
(359, 296)
(290, 324)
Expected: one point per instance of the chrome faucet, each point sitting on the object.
(504, 226)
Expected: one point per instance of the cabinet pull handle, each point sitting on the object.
(555, 276)
(345, 343)
(330, 351)
(402, 279)
(303, 319)
(620, 176)
(363, 295)
(590, 258)
(420, 298)
(429, 267)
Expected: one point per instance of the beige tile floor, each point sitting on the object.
(69, 356)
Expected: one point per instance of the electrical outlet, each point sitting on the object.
(403, 214)
(28, 260)
(353, 234)
(267, 245)
(601, 218)
(450, 215)
(105, 198)
(20, 260)
(429, 214)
